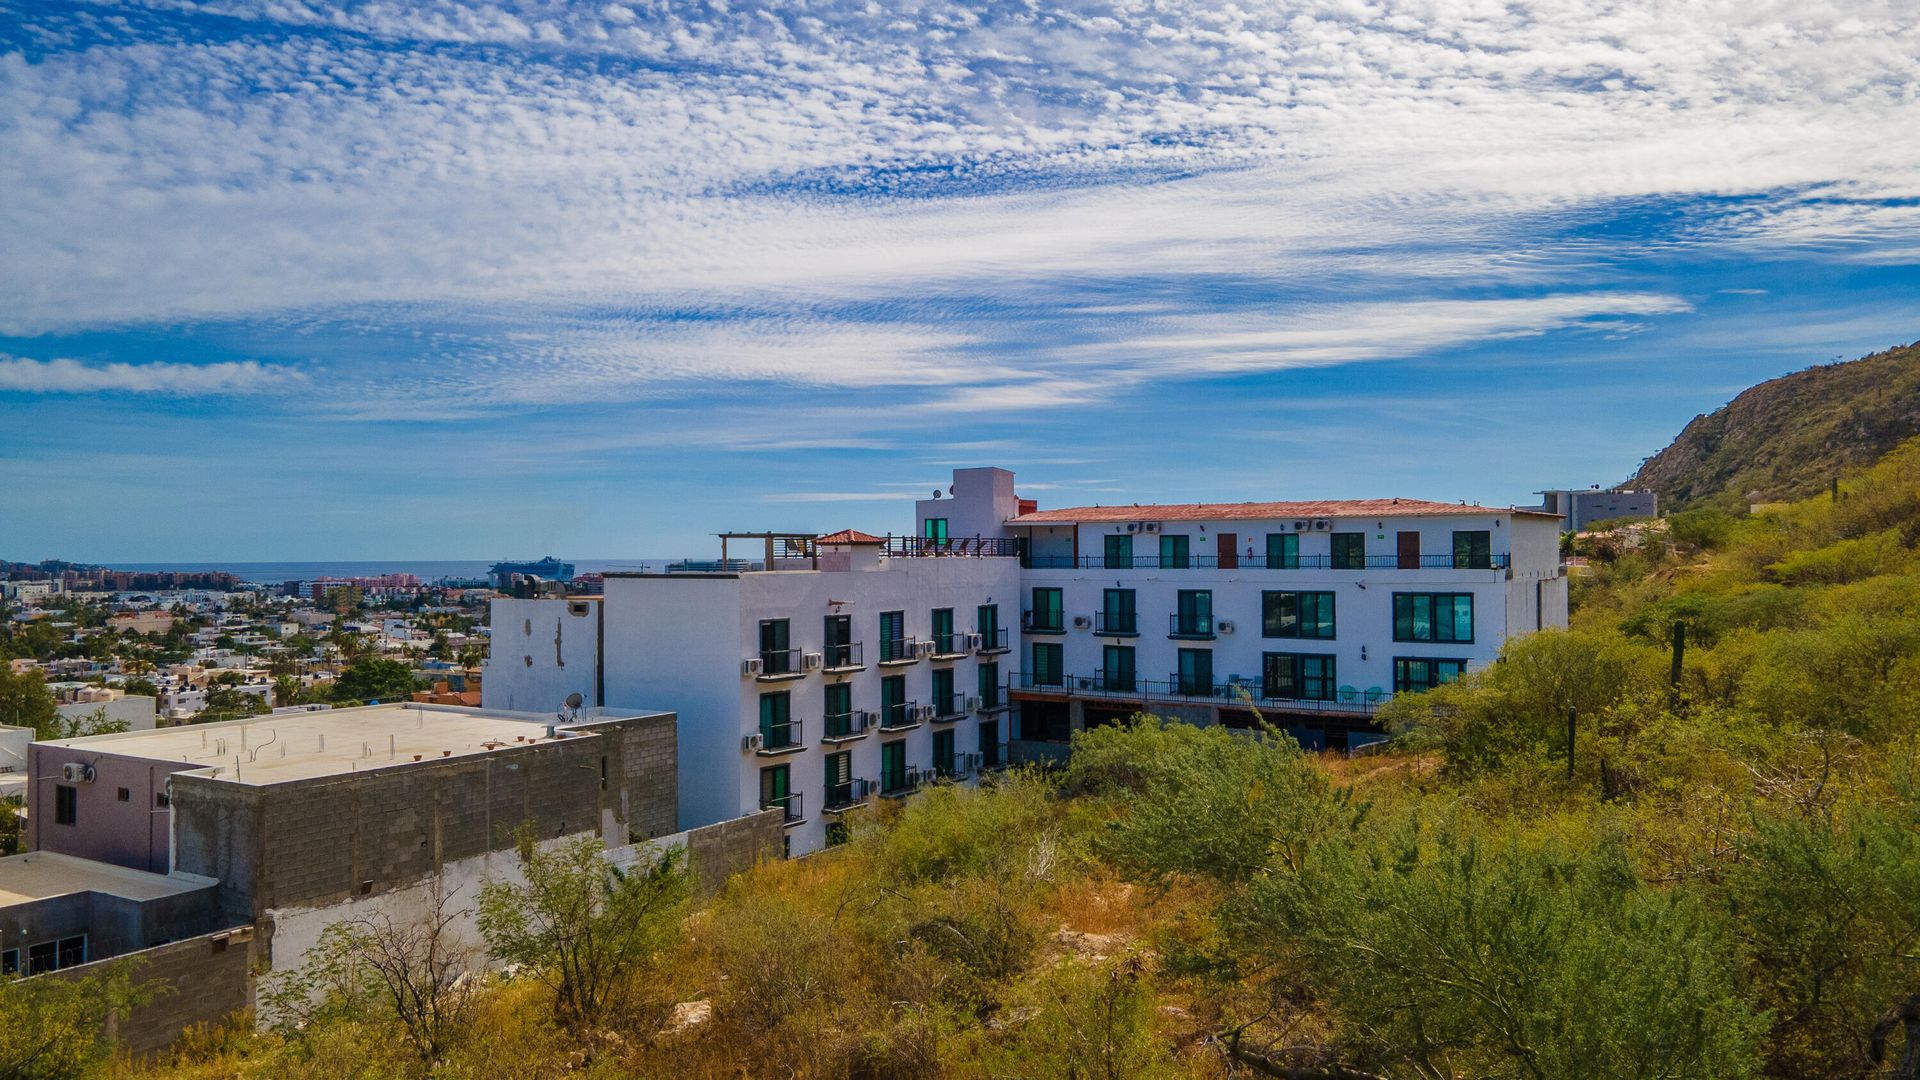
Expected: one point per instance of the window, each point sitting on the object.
(1196, 672)
(73, 951)
(1413, 674)
(1193, 614)
(1173, 553)
(990, 744)
(66, 805)
(943, 752)
(1046, 663)
(776, 791)
(840, 786)
(893, 701)
(987, 623)
(1473, 550)
(43, 956)
(944, 702)
(893, 636)
(893, 766)
(839, 710)
(775, 656)
(1296, 614)
(935, 529)
(990, 686)
(1046, 614)
(1297, 676)
(1117, 615)
(124, 795)
(1116, 669)
(1350, 551)
(943, 631)
(776, 720)
(9, 962)
(1119, 553)
(1283, 551)
(838, 635)
(1433, 617)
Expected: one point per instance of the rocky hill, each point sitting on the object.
(1788, 437)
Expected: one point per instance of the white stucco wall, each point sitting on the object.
(541, 651)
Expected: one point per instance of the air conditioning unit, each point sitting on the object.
(1081, 622)
(1223, 627)
(1151, 526)
(923, 648)
(863, 718)
(812, 660)
(973, 704)
(923, 712)
(750, 666)
(1133, 527)
(753, 742)
(1300, 526)
(1321, 525)
(975, 641)
(1082, 682)
(76, 773)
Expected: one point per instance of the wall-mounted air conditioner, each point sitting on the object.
(1223, 627)
(1082, 683)
(812, 660)
(1151, 526)
(923, 648)
(973, 704)
(1321, 525)
(1081, 622)
(1133, 526)
(753, 742)
(76, 773)
(750, 666)
(1300, 526)
(975, 641)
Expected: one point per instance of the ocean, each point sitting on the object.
(429, 570)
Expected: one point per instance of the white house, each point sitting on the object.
(812, 673)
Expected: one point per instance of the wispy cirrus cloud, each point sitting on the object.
(66, 376)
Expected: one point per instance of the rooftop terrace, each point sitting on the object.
(40, 875)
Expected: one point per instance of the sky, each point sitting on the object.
(385, 280)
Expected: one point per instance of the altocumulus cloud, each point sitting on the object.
(64, 376)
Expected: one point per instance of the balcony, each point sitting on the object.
(1190, 627)
(1346, 700)
(790, 804)
(993, 641)
(1042, 622)
(848, 796)
(993, 699)
(901, 716)
(1121, 682)
(1179, 685)
(950, 708)
(902, 650)
(777, 664)
(1043, 683)
(950, 646)
(903, 783)
(1116, 623)
(846, 656)
(846, 726)
(993, 757)
(961, 767)
(1498, 560)
(926, 547)
(778, 739)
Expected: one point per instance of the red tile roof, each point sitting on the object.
(1319, 508)
(850, 536)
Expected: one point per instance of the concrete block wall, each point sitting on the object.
(717, 852)
(199, 980)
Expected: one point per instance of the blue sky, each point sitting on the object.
(466, 280)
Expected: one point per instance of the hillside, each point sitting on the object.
(1788, 437)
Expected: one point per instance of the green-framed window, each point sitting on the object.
(1193, 612)
(1296, 615)
(776, 719)
(893, 636)
(893, 765)
(837, 709)
(1175, 553)
(1297, 676)
(893, 700)
(1118, 614)
(776, 789)
(1414, 674)
(1433, 617)
(1349, 551)
(943, 699)
(1283, 551)
(1119, 553)
(990, 743)
(1472, 550)
(1046, 664)
(942, 619)
(1195, 676)
(989, 680)
(776, 655)
(935, 529)
(1048, 610)
(1117, 669)
(943, 752)
(987, 624)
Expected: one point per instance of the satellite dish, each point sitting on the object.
(936, 493)
(574, 700)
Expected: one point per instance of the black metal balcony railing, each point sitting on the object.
(1116, 623)
(845, 796)
(992, 696)
(898, 650)
(1116, 682)
(1043, 682)
(951, 643)
(902, 715)
(788, 803)
(950, 707)
(1190, 626)
(851, 724)
(779, 662)
(1043, 622)
(777, 737)
(1190, 685)
(959, 767)
(917, 547)
(904, 782)
(842, 657)
(994, 640)
(1498, 560)
(993, 756)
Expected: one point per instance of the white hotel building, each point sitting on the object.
(817, 673)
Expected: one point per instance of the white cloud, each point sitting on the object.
(65, 376)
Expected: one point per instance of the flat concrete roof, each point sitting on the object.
(280, 747)
(39, 875)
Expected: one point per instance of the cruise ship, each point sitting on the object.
(549, 568)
